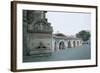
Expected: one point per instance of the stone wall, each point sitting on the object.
(37, 32)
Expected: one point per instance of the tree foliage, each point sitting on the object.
(84, 35)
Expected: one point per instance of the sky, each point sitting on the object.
(69, 23)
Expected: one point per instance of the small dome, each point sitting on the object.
(60, 34)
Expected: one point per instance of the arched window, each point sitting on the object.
(69, 44)
(74, 44)
(61, 45)
(41, 26)
(77, 43)
(55, 46)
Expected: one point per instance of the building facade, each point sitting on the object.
(60, 42)
(38, 35)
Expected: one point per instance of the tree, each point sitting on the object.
(84, 35)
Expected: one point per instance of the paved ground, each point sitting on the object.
(79, 53)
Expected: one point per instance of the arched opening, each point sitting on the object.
(69, 44)
(74, 44)
(77, 43)
(55, 46)
(61, 45)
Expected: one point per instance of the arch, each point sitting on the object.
(69, 44)
(74, 44)
(78, 43)
(42, 26)
(61, 45)
(39, 26)
(40, 21)
(55, 46)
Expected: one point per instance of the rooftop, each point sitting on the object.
(62, 36)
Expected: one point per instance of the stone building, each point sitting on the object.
(61, 41)
(38, 35)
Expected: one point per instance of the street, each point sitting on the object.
(78, 53)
